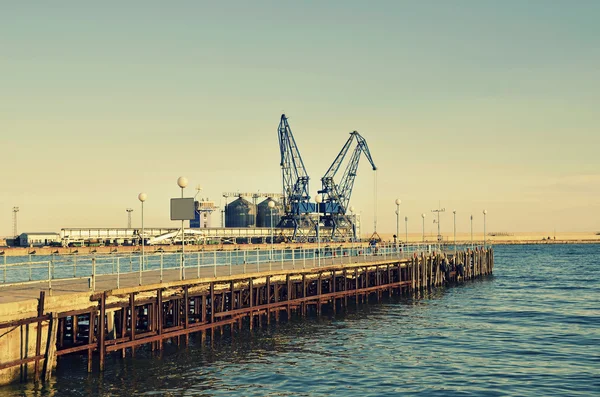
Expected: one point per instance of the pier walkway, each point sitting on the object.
(106, 282)
(24, 277)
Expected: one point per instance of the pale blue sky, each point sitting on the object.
(479, 104)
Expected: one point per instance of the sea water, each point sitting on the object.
(531, 329)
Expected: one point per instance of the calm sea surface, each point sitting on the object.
(532, 329)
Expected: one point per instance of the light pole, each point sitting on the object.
(484, 214)
(182, 182)
(471, 232)
(454, 212)
(353, 230)
(406, 228)
(271, 205)
(439, 235)
(423, 216)
(142, 197)
(318, 200)
(398, 202)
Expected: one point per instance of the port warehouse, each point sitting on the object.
(219, 235)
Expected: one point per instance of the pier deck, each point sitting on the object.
(106, 282)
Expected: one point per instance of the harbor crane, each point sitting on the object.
(295, 183)
(336, 197)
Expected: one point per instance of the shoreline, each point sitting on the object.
(47, 251)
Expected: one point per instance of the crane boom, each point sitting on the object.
(295, 183)
(338, 195)
(295, 177)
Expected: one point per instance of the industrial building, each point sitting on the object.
(38, 239)
(203, 211)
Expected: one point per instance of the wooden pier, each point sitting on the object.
(34, 333)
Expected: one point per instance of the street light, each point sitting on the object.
(471, 232)
(271, 205)
(454, 212)
(318, 200)
(353, 230)
(484, 214)
(423, 216)
(439, 235)
(406, 228)
(142, 197)
(182, 182)
(398, 202)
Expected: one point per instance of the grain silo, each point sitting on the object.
(264, 213)
(240, 213)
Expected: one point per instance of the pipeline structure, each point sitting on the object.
(119, 321)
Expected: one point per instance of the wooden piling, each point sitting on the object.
(38, 340)
(50, 356)
(101, 330)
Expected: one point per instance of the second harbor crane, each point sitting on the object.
(336, 196)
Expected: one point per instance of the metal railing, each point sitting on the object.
(209, 263)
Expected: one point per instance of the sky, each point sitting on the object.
(466, 104)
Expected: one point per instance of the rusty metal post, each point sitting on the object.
(101, 330)
(212, 303)
(93, 274)
(91, 339)
(133, 320)
(38, 341)
(186, 315)
(268, 298)
(159, 315)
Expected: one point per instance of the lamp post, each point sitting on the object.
(471, 232)
(353, 230)
(438, 210)
(142, 197)
(182, 182)
(423, 216)
(271, 205)
(406, 228)
(318, 200)
(484, 214)
(454, 212)
(398, 202)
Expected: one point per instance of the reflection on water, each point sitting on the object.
(531, 329)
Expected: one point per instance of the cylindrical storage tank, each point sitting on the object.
(264, 213)
(240, 213)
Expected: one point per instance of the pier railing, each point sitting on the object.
(171, 266)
